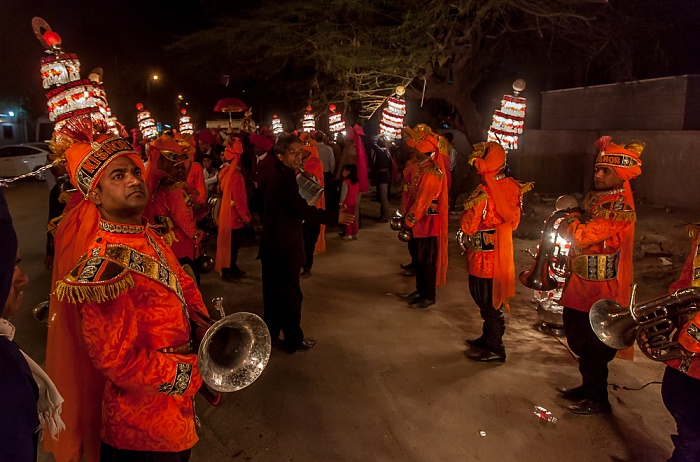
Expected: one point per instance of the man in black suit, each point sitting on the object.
(282, 245)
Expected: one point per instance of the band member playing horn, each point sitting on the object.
(491, 214)
(601, 263)
(680, 387)
(426, 215)
(135, 303)
(172, 204)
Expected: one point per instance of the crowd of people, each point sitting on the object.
(128, 222)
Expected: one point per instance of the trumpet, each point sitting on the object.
(234, 351)
(652, 324)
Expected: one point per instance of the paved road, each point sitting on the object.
(389, 383)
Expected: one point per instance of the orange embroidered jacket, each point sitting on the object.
(479, 221)
(425, 187)
(135, 303)
(597, 237)
(197, 187)
(232, 184)
(689, 334)
(172, 209)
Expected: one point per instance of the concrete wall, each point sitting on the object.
(561, 162)
(670, 103)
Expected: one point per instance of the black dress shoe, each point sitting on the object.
(306, 345)
(306, 273)
(478, 342)
(410, 296)
(590, 407)
(572, 394)
(424, 303)
(488, 356)
(416, 300)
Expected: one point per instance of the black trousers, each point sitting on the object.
(593, 355)
(112, 454)
(237, 236)
(426, 265)
(311, 232)
(412, 251)
(282, 299)
(681, 395)
(481, 290)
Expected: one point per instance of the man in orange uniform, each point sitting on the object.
(406, 176)
(427, 215)
(233, 214)
(601, 263)
(491, 214)
(314, 233)
(172, 205)
(135, 303)
(680, 387)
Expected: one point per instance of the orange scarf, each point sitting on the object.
(504, 268)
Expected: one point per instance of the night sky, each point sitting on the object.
(127, 39)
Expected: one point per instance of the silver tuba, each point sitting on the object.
(234, 350)
(652, 324)
(551, 259)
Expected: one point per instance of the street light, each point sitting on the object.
(153, 77)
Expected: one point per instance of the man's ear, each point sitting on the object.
(94, 196)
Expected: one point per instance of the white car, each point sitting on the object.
(19, 159)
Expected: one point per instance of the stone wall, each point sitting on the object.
(561, 162)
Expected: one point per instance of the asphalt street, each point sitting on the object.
(387, 382)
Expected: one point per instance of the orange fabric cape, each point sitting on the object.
(504, 268)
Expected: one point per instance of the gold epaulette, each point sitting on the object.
(434, 171)
(475, 197)
(615, 210)
(525, 187)
(693, 229)
(94, 279)
(64, 197)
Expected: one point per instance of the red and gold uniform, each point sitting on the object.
(135, 302)
(680, 387)
(427, 214)
(195, 179)
(600, 259)
(233, 214)
(491, 214)
(89, 342)
(172, 208)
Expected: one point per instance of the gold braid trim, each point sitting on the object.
(434, 171)
(616, 215)
(169, 238)
(526, 187)
(93, 293)
(477, 196)
(693, 229)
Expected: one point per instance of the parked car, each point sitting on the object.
(24, 158)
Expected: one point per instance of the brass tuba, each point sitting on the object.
(234, 350)
(652, 324)
(551, 259)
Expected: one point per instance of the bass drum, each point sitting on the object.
(214, 203)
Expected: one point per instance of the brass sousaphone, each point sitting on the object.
(234, 350)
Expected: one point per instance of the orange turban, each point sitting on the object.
(233, 148)
(488, 158)
(623, 159)
(86, 161)
(308, 143)
(422, 138)
(170, 149)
